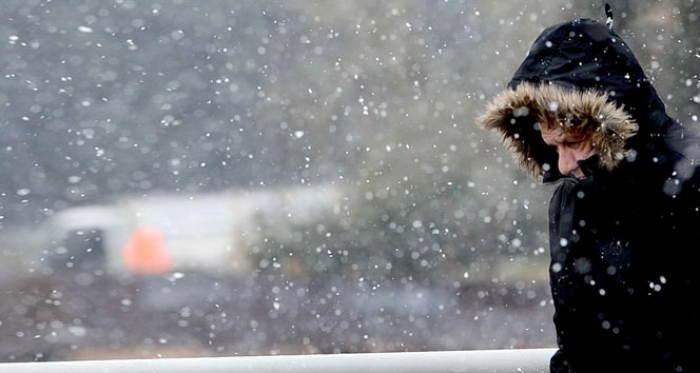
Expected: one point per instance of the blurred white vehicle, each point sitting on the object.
(166, 233)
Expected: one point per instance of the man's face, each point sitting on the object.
(572, 147)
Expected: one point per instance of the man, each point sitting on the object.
(625, 215)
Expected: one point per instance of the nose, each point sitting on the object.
(568, 164)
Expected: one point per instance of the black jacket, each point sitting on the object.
(623, 272)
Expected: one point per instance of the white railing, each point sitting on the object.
(482, 361)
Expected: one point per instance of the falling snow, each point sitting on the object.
(260, 177)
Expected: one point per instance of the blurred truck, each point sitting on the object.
(176, 232)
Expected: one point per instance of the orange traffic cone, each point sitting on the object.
(145, 252)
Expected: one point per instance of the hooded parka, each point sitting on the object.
(623, 272)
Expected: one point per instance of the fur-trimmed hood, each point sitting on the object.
(584, 77)
(517, 113)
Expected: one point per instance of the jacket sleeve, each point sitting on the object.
(560, 234)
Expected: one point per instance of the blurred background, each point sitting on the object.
(186, 178)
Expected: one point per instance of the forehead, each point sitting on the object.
(556, 133)
(551, 130)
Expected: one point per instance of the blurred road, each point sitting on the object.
(73, 316)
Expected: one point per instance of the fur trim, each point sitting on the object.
(517, 113)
